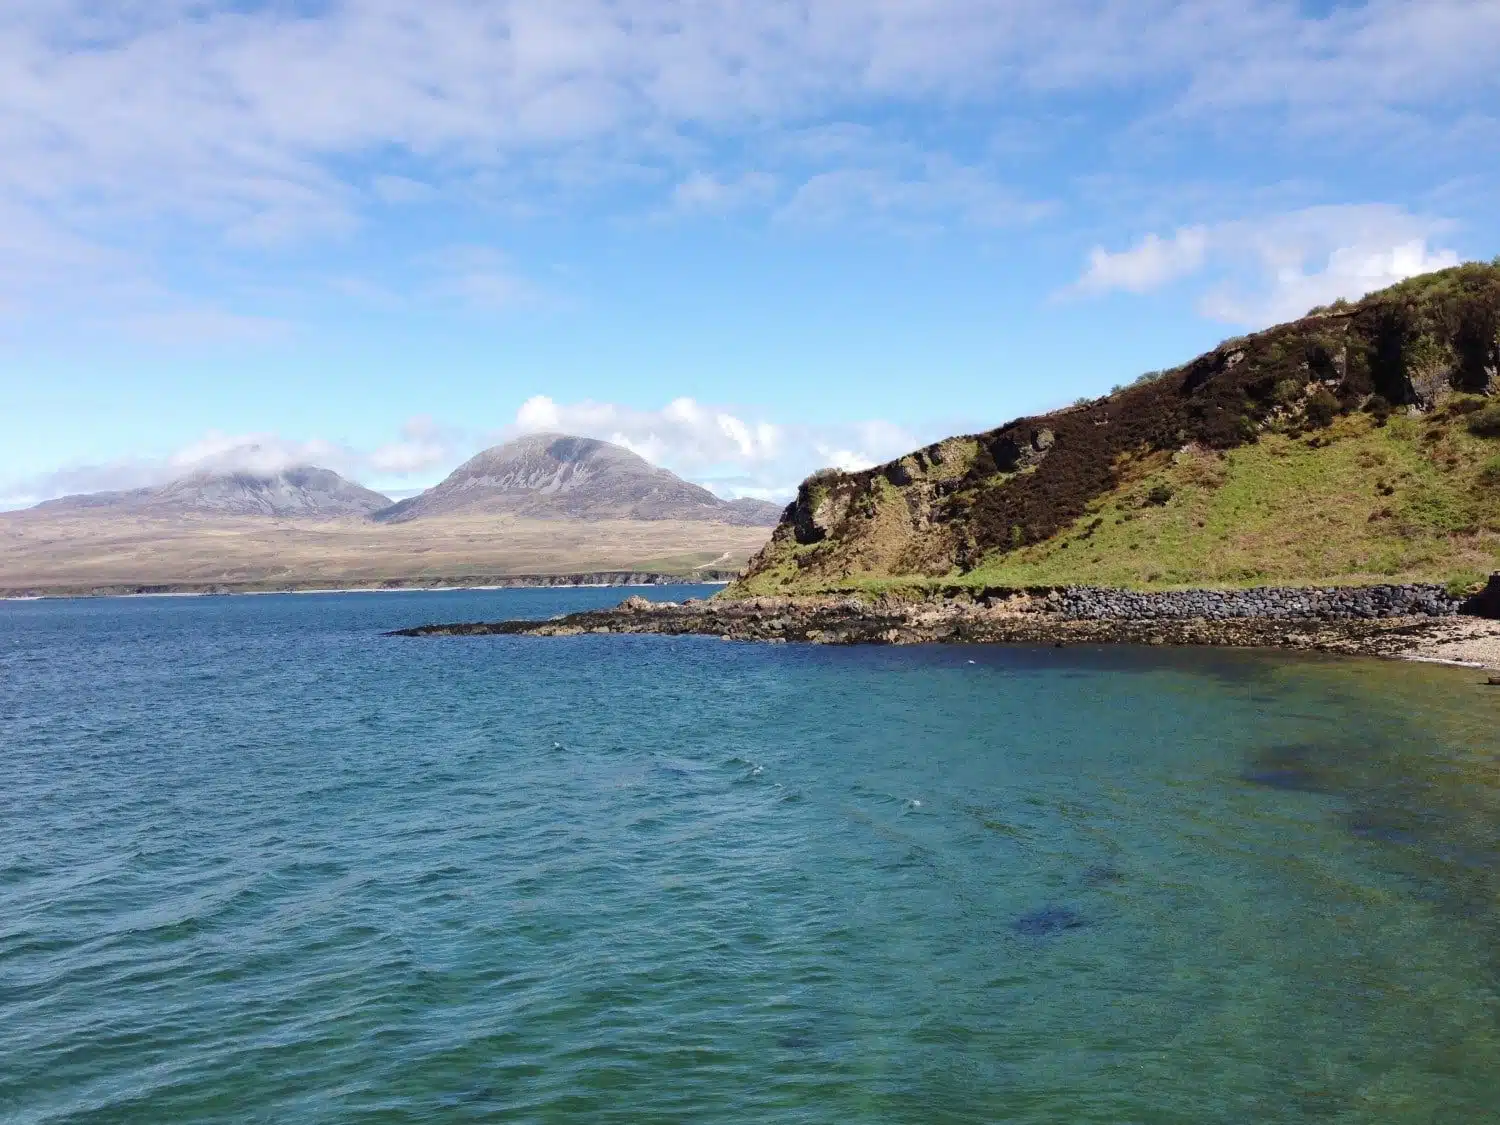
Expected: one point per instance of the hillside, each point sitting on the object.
(554, 476)
(1358, 444)
(304, 492)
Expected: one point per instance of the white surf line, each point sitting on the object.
(1443, 660)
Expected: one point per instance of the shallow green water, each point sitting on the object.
(258, 863)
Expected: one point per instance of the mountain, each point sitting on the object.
(1359, 443)
(304, 491)
(554, 476)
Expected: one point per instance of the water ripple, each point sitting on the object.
(259, 864)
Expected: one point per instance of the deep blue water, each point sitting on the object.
(259, 863)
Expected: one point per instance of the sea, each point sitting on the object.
(261, 863)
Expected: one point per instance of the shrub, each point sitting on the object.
(1462, 585)
(1486, 422)
(1159, 495)
(1321, 407)
(1490, 473)
(1286, 392)
(1380, 408)
(1460, 405)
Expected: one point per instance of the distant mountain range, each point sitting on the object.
(541, 476)
(304, 491)
(554, 476)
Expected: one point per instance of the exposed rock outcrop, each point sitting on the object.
(1486, 603)
(1382, 620)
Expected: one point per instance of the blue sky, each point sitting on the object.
(747, 239)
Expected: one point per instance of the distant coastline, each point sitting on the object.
(596, 579)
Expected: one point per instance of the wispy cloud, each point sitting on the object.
(707, 192)
(939, 193)
(197, 326)
(245, 123)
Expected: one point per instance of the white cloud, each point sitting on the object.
(847, 460)
(1149, 264)
(126, 127)
(1349, 272)
(1276, 267)
(720, 447)
(424, 445)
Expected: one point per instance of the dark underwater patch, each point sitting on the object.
(1102, 875)
(1048, 920)
(1292, 769)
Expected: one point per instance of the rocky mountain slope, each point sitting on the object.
(304, 492)
(1358, 444)
(554, 476)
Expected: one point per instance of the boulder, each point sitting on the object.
(1486, 603)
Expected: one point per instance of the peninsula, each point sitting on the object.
(1329, 483)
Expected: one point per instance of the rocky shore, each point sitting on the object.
(1419, 621)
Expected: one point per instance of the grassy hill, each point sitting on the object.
(1358, 444)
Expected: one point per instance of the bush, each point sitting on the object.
(1486, 422)
(1462, 585)
(1159, 495)
(1460, 405)
(1490, 473)
(1379, 408)
(1321, 408)
(1286, 392)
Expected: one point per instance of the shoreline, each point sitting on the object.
(588, 580)
(1441, 636)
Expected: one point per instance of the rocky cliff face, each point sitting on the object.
(1427, 348)
(304, 492)
(554, 476)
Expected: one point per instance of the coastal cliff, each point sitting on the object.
(1331, 484)
(1360, 444)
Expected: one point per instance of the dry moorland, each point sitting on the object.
(45, 554)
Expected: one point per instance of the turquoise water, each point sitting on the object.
(260, 864)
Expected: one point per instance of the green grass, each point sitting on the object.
(1356, 503)
(1412, 500)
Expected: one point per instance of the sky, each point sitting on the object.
(746, 238)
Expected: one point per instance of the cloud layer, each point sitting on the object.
(712, 445)
(265, 125)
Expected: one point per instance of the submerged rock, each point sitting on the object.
(1048, 920)
(1289, 768)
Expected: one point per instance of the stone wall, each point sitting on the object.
(1337, 603)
